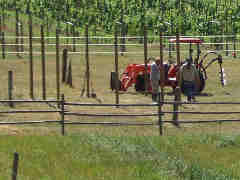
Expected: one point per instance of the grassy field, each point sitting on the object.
(96, 156)
(193, 151)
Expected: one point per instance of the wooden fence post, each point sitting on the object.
(62, 115)
(17, 31)
(15, 166)
(57, 64)
(117, 85)
(234, 46)
(73, 38)
(160, 123)
(145, 59)
(69, 78)
(3, 45)
(22, 39)
(178, 48)
(162, 79)
(87, 61)
(43, 63)
(67, 34)
(64, 64)
(169, 50)
(10, 87)
(30, 51)
(162, 73)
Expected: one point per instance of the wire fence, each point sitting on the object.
(63, 112)
(77, 44)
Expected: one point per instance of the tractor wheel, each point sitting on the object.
(140, 83)
(202, 84)
(113, 80)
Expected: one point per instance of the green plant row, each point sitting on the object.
(202, 17)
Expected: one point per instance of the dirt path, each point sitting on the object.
(10, 130)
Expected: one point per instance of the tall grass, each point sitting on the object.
(96, 156)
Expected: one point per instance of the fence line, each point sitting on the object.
(29, 111)
(154, 123)
(63, 112)
(110, 115)
(159, 114)
(165, 102)
(111, 53)
(114, 123)
(125, 37)
(29, 122)
(151, 42)
(110, 44)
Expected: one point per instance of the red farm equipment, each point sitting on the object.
(134, 74)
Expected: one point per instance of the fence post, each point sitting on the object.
(117, 85)
(227, 46)
(10, 87)
(145, 58)
(57, 64)
(22, 39)
(30, 52)
(234, 46)
(17, 31)
(176, 105)
(64, 64)
(87, 61)
(169, 50)
(62, 114)
(67, 34)
(43, 63)
(3, 45)
(73, 38)
(69, 77)
(15, 166)
(160, 123)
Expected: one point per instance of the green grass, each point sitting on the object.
(96, 156)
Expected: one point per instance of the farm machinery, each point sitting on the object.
(135, 74)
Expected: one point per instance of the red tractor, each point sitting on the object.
(134, 74)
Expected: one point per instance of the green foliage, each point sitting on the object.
(191, 16)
